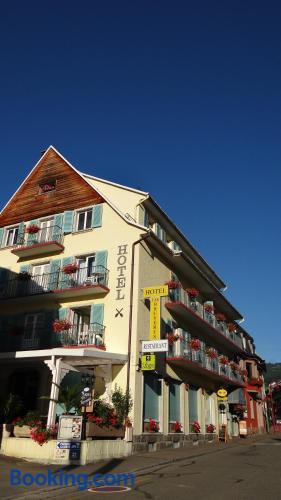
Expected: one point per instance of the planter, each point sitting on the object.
(22, 432)
(7, 430)
(94, 430)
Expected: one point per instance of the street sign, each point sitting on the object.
(221, 399)
(155, 318)
(156, 291)
(63, 446)
(154, 346)
(86, 396)
(148, 362)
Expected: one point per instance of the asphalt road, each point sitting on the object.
(245, 470)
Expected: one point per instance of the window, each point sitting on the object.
(46, 230)
(86, 264)
(11, 236)
(152, 395)
(192, 405)
(174, 402)
(84, 220)
(47, 186)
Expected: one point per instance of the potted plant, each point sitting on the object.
(122, 403)
(41, 434)
(195, 429)
(24, 425)
(192, 293)
(32, 229)
(177, 427)
(220, 317)
(61, 325)
(70, 268)
(211, 353)
(173, 284)
(210, 429)
(9, 409)
(223, 360)
(232, 328)
(104, 421)
(209, 308)
(195, 344)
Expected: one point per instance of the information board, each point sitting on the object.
(70, 427)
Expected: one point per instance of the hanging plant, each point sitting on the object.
(234, 367)
(70, 268)
(209, 308)
(220, 317)
(173, 284)
(223, 360)
(211, 353)
(61, 325)
(195, 344)
(231, 327)
(32, 229)
(192, 292)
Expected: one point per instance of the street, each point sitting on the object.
(243, 470)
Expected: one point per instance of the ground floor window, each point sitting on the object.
(192, 405)
(174, 404)
(151, 399)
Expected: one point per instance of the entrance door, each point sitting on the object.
(33, 325)
(86, 268)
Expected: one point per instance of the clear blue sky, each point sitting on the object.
(178, 98)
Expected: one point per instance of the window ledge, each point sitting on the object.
(83, 231)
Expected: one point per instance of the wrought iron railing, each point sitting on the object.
(25, 284)
(21, 338)
(43, 235)
(180, 295)
(181, 348)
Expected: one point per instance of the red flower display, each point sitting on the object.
(177, 427)
(209, 308)
(173, 338)
(153, 425)
(234, 367)
(210, 428)
(70, 268)
(195, 427)
(211, 353)
(32, 229)
(195, 344)
(231, 327)
(192, 292)
(60, 325)
(220, 317)
(173, 284)
(223, 360)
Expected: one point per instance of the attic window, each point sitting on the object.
(47, 186)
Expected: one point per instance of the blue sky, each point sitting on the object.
(178, 98)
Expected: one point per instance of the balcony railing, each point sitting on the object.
(181, 349)
(179, 295)
(45, 240)
(21, 339)
(25, 285)
(43, 235)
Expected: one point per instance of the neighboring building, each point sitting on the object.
(79, 250)
(274, 405)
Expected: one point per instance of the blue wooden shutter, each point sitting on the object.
(63, 312)
(68, 221)
(97, 215)
(101, 258)
(97, 312)
(32, 237)
(66, 279)
(1, 237)
(163, 235)
(54, 274)
(57, 229)
(20, 238)
(158, 230)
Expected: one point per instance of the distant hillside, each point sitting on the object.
(273, 372)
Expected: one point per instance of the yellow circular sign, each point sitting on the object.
(222, 393)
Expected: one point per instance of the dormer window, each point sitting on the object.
(47, 186)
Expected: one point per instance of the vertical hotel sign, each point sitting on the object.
(154, 294)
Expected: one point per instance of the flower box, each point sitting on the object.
(23, 431)
(211, 353)
(220, 317)
(70, 268)
(173, 284)
(61, 325)
(107, 432)
(195, 344)
(32, 229)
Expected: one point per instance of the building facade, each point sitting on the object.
(76, 254)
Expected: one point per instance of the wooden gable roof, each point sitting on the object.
(71, 191)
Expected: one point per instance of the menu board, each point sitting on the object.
(70, 427)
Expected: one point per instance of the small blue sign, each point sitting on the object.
(64, 446)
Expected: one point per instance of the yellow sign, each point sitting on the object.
(155, 318)
(222, 393)
(155, 291)
(221, 399)
(148, 362)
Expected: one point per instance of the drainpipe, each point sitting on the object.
(144, 237)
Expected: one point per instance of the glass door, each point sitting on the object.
(81, 322)
(46, 230)
(40, 277)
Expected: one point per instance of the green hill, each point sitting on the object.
(273, 372)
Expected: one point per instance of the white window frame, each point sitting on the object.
(78, 213)
(7, 230)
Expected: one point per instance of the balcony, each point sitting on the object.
(197, 361)
(45, 241)
(56, 285)
(192, 314)
(23, 339)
